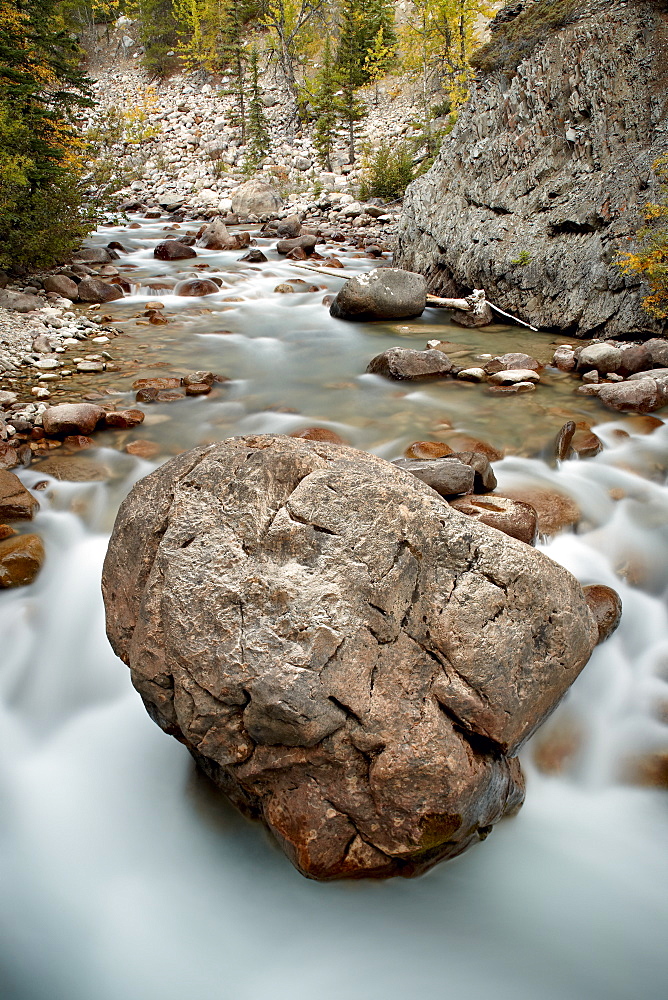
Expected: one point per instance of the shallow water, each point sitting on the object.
(124, 876)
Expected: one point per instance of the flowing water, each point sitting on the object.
(123, 876)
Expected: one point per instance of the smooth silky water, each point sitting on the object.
(124, 876)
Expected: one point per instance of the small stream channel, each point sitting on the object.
(125, 877)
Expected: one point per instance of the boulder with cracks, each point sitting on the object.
(348, 657)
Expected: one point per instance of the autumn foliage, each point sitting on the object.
(649, 261)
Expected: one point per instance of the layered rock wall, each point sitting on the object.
(541, 184)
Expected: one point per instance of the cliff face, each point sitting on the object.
(541, 184)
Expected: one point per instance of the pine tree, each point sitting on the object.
(349, 72)
(158, 31)
(365, 26)
(258, 126)
(232, 58)
(325, 108)
(42, 86)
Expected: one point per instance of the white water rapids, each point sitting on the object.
(124, 876)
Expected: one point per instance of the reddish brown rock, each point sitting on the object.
(642, 396)
(635, 359)
(196, 287)
(555, 511)
(78, 441)
(21, 559)
(6, 531)
(585, 444)
(72, 418)
(374, 659)
(123, 419)
(143, 449)
(512, 517)
(147, 395)
(464, 442)
(157, 383)
(318, 434)
(428, 449)
(16, 503)
(9, 456)
(605, 605)
(198, 389)
(173, 250)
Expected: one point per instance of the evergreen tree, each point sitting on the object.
(258, 126)
(325, 108)
(159, 34)
(366, 26)
(232, 58)
(349, 71)
(42, 86)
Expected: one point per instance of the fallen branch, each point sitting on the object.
(478, 304)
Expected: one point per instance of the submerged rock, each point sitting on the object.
(347, 656)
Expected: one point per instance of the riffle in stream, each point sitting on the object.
(125, 875)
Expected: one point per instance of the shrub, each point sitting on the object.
(649, 261)
(388, 172)
(516, 39)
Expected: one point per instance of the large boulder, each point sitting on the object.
(383, 293)
(62, 285)
(256, 197)
(346, 656)
(96, 290)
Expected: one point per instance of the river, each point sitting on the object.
(124, 876)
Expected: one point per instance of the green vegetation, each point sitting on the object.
(523, 258)
(258, 126)
(41, 156)
(515, 40)
(388, 172)
(649, 261)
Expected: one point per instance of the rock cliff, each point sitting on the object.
(542, 182)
